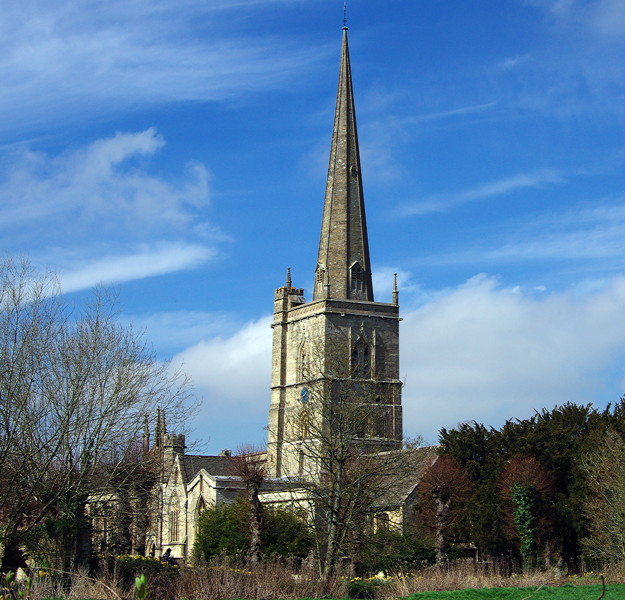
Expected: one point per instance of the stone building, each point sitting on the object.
(342, 337)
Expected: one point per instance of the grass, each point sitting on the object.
(565, 592)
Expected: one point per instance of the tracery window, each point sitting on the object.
(174, 519)
(361, 359)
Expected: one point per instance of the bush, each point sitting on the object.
(363, 588)
(224, 530)
(392, 551)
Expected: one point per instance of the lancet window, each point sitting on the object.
(361, 359)
(174, 519)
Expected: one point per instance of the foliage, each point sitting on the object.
(524, 500)
(141, 587)
(527, 491)
(557, 441)
(364, 588)
(10, 589)
(224, 529)
(393, 551)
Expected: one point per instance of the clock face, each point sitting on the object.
(304, 395)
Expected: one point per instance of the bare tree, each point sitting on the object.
(444, 490)
(605, 472)
(250, 466)
(74, 390)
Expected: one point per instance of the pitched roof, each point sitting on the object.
(219, 466)
(398, 482)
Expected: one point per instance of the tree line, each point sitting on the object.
(544, 491)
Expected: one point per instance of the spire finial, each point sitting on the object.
(345, 14)
(288, 277)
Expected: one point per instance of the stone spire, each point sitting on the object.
(343, 266)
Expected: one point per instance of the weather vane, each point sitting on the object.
(345, 14)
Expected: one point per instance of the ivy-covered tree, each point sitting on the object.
(527, 491)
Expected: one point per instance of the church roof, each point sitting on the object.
(399, 484)
(220, 466)
(343, 264)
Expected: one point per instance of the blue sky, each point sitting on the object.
(177, 151)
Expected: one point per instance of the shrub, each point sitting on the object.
(392, 551)
(224, 530)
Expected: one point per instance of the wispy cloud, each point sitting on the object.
(98, 214)
(103, 182)
(500, 187)
(146, 262)
(452, 112)
(67, 60)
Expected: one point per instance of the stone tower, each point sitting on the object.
(343, 339)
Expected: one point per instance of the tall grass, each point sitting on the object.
(227, 580)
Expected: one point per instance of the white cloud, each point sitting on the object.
(488, 353)
(231, 376)
(147, 261)
(480, 351)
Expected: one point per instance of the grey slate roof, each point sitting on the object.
(397, 486)
(214, 465)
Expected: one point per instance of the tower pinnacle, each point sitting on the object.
(343, 266)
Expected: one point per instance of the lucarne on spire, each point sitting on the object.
(343, 265)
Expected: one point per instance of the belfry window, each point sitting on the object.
(357, 281)
(319, 279)
(361, 359)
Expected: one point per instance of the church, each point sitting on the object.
(340, 344)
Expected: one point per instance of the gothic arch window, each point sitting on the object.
(174, 518)
(357, 281)
(382, 522)
(199, 509)
(361, 359)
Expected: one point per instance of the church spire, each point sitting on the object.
(343, 266)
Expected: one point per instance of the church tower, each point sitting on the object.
(342, 341)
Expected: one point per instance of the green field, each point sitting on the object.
(565, 592)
